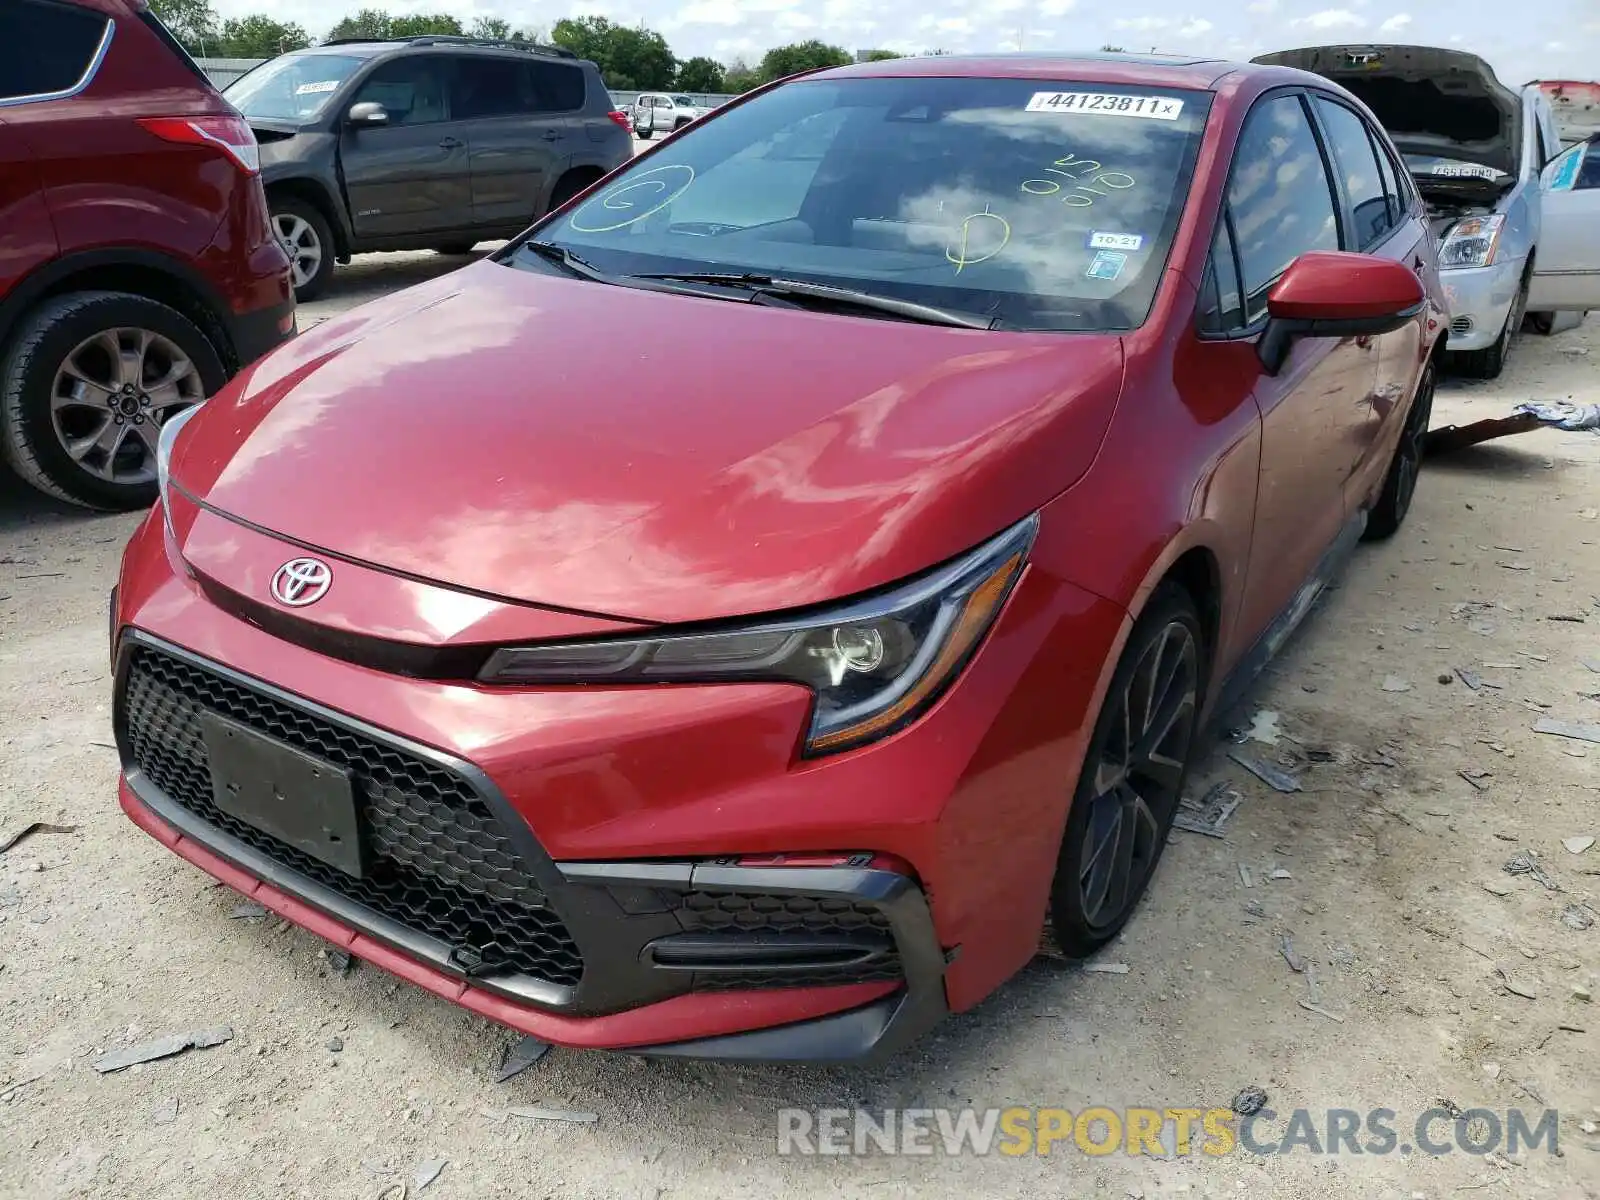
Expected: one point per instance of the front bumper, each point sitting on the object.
(1480, 300)
(707, 959)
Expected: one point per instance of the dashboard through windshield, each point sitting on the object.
(1044, 204)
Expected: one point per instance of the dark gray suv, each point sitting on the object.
(422, 143)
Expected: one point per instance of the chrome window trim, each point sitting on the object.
(83, 82)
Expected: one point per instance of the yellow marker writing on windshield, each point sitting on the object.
(962, 253)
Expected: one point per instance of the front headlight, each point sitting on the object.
(1471, 242)
(873, 665)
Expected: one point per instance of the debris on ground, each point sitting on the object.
(162, 1047)
(1581, 993)
(1515, 986)
(9, 840)
(1210, 813)
(1320, 1011)
(520, 1057)
(1277, 780)
(500, 1115)
(1249, 1101)
(427, 1171)
(1577, 845)
(1495, 888)
(1470, 677)
(335, 1045)
(1579, 730)
(1523, 862)
(1106, 968)
(1279, 873)
(1563, 414)
(1576, 917)
(248, 911)
(339, 961)
(1245, 877)
(165, 1113)
(1451, 438)
(1264, 728)
(1290, 956)
(1393, 683)
(1476, 778)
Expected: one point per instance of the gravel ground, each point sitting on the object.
(1437, 973)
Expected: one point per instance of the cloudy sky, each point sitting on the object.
(1546, 39)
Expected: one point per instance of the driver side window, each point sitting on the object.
(411, 90)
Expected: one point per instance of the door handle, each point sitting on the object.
(450, 143)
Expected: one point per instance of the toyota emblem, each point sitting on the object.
(301, 581)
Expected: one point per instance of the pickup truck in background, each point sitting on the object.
(664, 112)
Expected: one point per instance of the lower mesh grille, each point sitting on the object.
(741, 913)
(440, 861)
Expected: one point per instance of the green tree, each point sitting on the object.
(492, 29)
(424, 24)
(259, 36)
(192, 22)
(801, 56)
(880, 55)
(371, 23)
(700, 75)
(627, 57)
(740, 77)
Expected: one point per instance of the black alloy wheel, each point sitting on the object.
(1132, 776)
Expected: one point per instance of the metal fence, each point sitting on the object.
(223, 71)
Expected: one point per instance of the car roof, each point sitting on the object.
(371, 49)
(1154, 70)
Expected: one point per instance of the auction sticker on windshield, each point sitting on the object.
(1155, 108)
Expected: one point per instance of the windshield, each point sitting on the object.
(1046, 205)
(683, 100)
(295, 87)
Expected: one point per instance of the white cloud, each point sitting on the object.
(1396, 23)
(1142, 24)
(1331, 18)
(1264, 6)
(1555, 47)
(1056, 8)
(1194, 27)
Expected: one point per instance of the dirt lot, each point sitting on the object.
(1437, 974)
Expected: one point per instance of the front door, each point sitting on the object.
(1566, 271)
(518, 131)
(411, 175)
(1381, 220)
(1314, 411)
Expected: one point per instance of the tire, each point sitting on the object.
(569, 186)
(1542, 323)
(63, 351)
(1489, 362)
(644, 135)
(455, 249)
(309, 242)
(1400, 483)
(1167, 636)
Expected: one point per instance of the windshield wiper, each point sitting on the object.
(563, 257)
(767, 285)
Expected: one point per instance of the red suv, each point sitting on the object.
(138, 268)
(761, 693)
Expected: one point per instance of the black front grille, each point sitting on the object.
(440, 862)
(737, 914)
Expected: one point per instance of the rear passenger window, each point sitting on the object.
(45, 48)
(1281, 199)
(1358, 167)
(556, 88)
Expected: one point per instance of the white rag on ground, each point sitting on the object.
(1563, 414)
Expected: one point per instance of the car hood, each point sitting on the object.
(1433, 102)
(646, 456)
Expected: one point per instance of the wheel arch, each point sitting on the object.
(316, 194)
(140, 272)
(1191, 563)
(580, 177)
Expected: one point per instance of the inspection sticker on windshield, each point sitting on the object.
(1107, 104)
(313, 89)
(1115, 241)
(1107, 264)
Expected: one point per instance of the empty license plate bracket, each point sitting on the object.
(302, 800)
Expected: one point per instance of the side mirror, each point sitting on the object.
(368, 114)
(1334, 294)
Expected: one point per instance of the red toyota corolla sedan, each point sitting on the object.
(760, 684)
